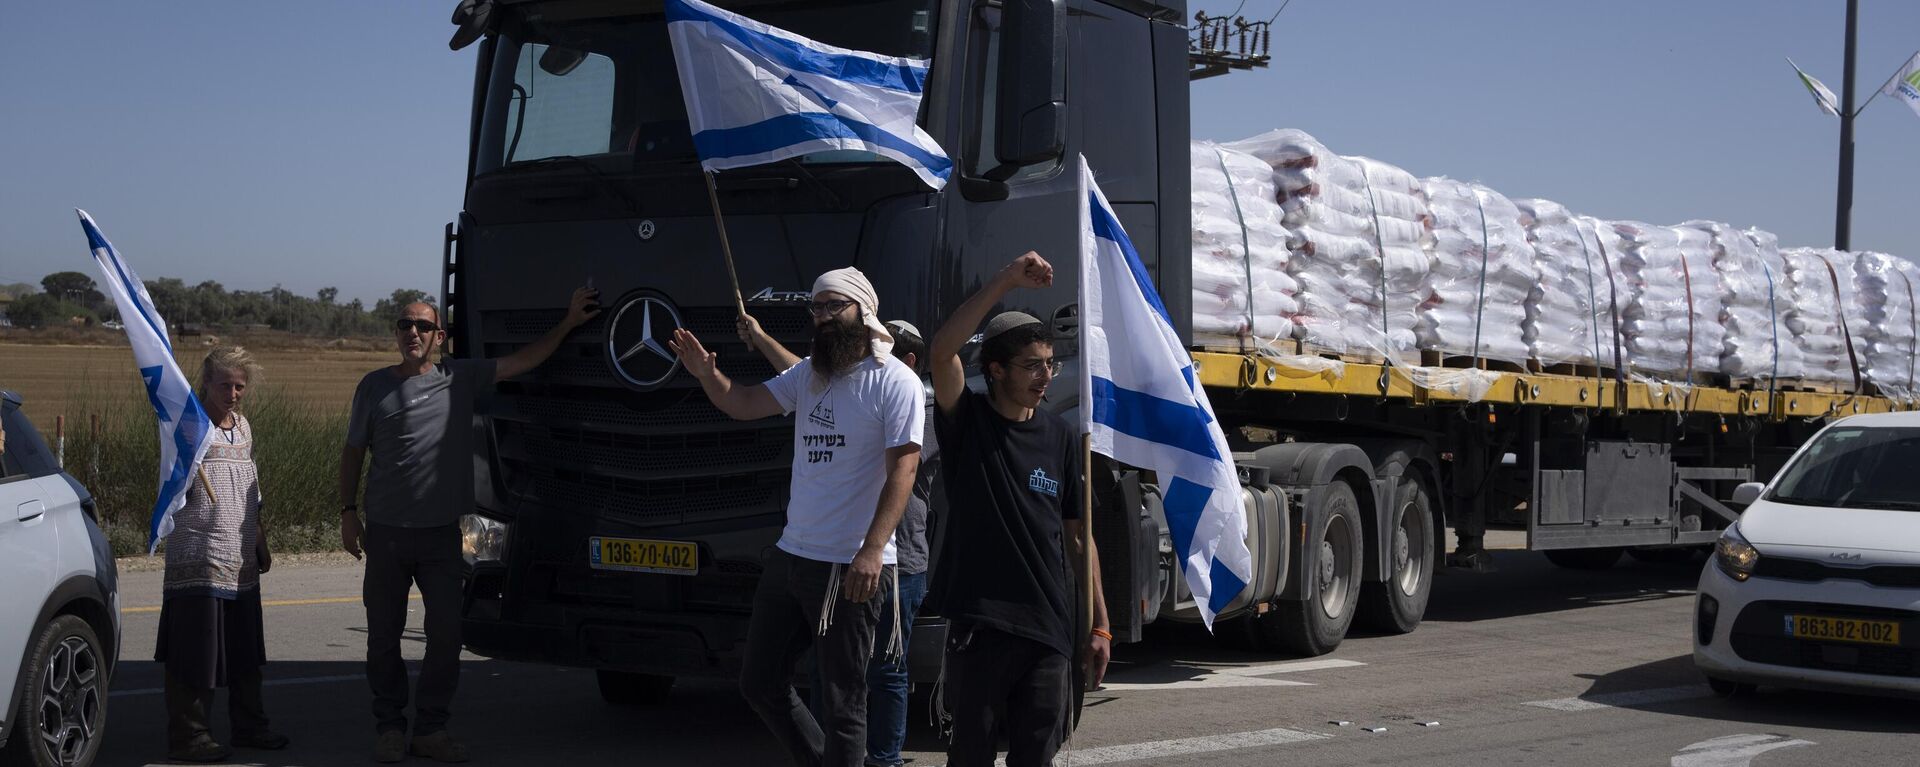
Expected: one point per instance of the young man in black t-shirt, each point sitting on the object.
(1005, 580)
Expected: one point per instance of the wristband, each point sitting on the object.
(1102, 633)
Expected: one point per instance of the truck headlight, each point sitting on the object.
(1734, 555)
(482, 539)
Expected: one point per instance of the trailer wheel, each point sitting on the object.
(1396, 605)
(1334, 554)
(1585, 559)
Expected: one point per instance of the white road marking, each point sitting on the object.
(1166, 749)
(1733, 750)
(1239, 676)
(1623, 699)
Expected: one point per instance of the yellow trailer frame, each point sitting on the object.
(1252, 372)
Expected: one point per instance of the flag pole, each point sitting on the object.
(726, 249)
(1086, 532)
(1843, 198)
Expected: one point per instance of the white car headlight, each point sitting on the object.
(1734, 555)
(482, 539)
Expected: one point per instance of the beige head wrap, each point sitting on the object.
(851, 283)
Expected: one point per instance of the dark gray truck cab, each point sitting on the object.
(582, 171)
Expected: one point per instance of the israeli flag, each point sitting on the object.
(758, 94)
(185, 431)
(1142, 405)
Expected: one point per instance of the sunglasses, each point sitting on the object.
(424, 326)
(828, 308)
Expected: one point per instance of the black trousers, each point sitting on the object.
(786, 618)
(190, 708)
(996, 682)
(397, 559)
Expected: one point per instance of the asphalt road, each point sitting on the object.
(1529, 665)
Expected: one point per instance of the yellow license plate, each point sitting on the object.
(643, 556)
(1843, 630)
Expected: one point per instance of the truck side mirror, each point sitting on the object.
(1032, 108)
(1747, 492)
(474, 18)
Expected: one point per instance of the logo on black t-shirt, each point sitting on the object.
(1039, 482)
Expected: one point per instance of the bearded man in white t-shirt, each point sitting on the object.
(858, 416)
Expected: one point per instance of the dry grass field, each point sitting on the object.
(73, 380)
(298, 410)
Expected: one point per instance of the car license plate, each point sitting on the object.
(643, 556)
(1843, 630)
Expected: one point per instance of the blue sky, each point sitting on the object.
(309, 145)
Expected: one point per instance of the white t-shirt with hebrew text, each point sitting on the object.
(842, 428)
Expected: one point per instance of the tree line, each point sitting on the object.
(73, 298)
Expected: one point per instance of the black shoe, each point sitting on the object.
(202, 749)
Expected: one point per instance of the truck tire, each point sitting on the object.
(1334, 552)
(62, 706)
(625, 688)
(1585, 559)
(1396, 605)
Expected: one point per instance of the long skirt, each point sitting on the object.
(204, 639)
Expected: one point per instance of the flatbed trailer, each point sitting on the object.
(1351, 474)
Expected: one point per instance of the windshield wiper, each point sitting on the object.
(1796, 501)
(1896, 505)
(567, 160)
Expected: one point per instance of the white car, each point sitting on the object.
(59, 610)
(1818, 584)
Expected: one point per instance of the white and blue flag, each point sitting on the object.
(758, 94)
(185, 431)
(1142, 406)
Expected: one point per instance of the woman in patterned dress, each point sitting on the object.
(211, 634)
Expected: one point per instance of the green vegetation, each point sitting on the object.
(70, 298)
(296, 446)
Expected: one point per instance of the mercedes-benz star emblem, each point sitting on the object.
(646, 229)
(636, 341)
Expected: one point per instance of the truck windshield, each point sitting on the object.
(1855, 468)
(569, 81)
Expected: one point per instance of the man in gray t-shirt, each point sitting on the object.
(416, 419)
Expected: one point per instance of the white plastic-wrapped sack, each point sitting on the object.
(1766, 248)
(1569, 317)
(1240, 284)
(1813, 319)
(1672, 327)
(1619, 292)
(1747, 349)
(1356, 231)
(1886, 288)
(1481, 274)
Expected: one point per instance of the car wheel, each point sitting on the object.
(1727, 688)
(63, 698)
(623, 688)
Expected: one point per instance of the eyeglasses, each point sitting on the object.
(828, 308)
(424, 326)
(1033, 367)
